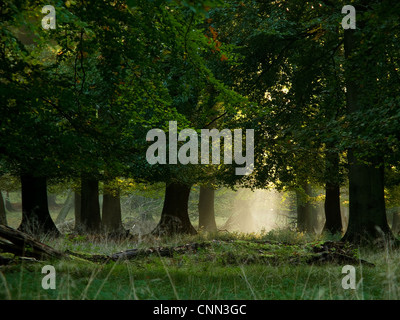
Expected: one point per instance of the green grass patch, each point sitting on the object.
(223, 266)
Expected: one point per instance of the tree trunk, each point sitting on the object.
(77, 210)
(175, 216)
(9, 206)
(206, 209)
(111, 213)
(22, 244)
(396, 223)
(305, 217)
(90, 219)
(333, 223)
(367, 214)
(51, 200)
(69, 203)
(3, 217)
(36, 218)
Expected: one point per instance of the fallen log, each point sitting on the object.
(22, 244)
(134, 253)
(161, 251)
(336, 252)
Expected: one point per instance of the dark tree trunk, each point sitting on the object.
(111, 213)
(333, 223)
(175, 216)
(206, 209)
(367, 214)
(36, 218)
(3, 217)
(90, 219)
(305, 212)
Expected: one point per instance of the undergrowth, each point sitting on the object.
(276, 265)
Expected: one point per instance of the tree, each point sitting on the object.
(279, 64)
(68, 204)
(206, 209)
(333, 222)
(305, 219)
(195, 93)
(35, 212)
(90, 218)
(32, 131)
(174, 215)
(111, 211)
(367, 214)
(77, 210)
(3, 217)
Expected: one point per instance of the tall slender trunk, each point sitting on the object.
(206, 209)
(36, 217)
(174, 215)
(333, 223)
(367, 214)
(90, 219)
(3, 217)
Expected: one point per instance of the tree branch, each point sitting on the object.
(219, 117)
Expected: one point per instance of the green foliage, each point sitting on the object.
(80, 99)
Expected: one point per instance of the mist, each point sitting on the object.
(257, 211)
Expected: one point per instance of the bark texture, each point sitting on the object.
(175, 216)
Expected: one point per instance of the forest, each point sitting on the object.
(199, 150)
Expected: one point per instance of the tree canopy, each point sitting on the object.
(79, 100)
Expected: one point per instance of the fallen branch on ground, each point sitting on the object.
(23, 245)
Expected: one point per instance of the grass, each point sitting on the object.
(229, 266)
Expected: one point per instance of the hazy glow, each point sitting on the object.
(255, 212)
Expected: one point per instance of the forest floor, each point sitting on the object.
(276, 265)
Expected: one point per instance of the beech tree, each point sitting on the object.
(367, 218)
(200, 99)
